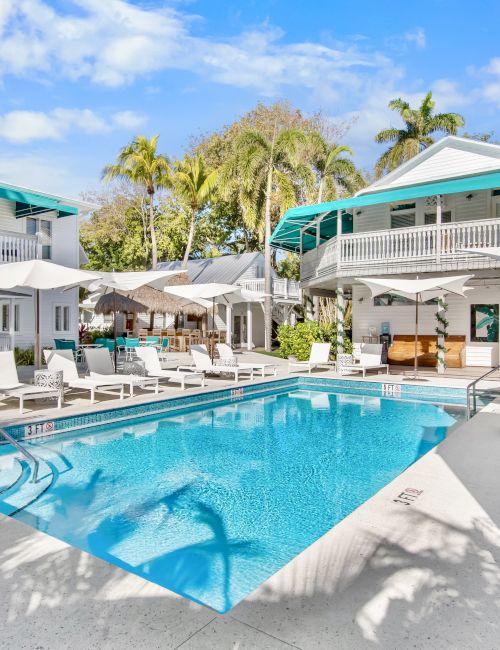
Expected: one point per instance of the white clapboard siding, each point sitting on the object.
(8, 219)
(372, 217)
(475, 208)
(447, 163)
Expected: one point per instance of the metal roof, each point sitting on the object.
(287, 232)
(226, 269)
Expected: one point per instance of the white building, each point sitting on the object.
(34, 225)
(247, 271)
(412, 222)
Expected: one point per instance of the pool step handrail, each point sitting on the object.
(24, 452)
(471, 390)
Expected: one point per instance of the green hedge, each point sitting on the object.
(296, 340)
(24, 356)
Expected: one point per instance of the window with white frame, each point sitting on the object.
(403, 215)
(17, 318)
(61, 318)
(5, 317)
(43, 229)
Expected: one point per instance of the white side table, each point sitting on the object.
(50, 379)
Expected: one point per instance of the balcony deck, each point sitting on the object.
(403, 250)
(17, 247)
(283, 290)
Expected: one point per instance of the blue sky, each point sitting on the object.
(81, 77)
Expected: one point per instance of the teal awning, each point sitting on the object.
(28, 203)
(287, 233)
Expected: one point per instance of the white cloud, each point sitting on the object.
(128, 119)
(21, 126)
(416, 36)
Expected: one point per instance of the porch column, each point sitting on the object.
(249, 326)
(438, 228)
(339, 318)
(441, 329)
(229, 325)
(310, 306)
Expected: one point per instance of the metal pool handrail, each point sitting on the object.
(24, 452)
(472, 387)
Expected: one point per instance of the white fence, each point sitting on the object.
(5, 342)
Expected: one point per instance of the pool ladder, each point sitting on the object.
(471, 392)
(35, 462)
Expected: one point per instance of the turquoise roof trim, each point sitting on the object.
(287, 233)
(28, 203)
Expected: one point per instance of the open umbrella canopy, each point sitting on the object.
(130, 280)
(40, 274)
(492, 251)
(208, 291)
(420, 290)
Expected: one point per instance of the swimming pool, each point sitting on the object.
(211, 501)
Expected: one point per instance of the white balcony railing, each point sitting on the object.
(282, 288)
(385, 248)
(17, 247)
(5, 342)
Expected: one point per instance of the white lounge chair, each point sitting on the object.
(10, 386)
(202, 363)
(369, 359)
(225, 352)
(153, 367)
(65, 361)
(319, 356)
(101, 367)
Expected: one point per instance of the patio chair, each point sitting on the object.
(225, 352)
(202, 363)
(152, 364)
(100, 366)
(319, 356)
(163, 348)
(68, 344)
(369, 359)
(63, 360)
(152, 340)
(130, 347)
(10, 386)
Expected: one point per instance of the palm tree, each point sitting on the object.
(264, 168)
(331, 171)
(139, 163)
(194, 184)
(420, 125)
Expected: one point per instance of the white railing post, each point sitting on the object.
(438, 228)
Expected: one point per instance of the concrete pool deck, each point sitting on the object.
(390, 575)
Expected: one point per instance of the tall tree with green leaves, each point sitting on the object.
(194, 185)
(140, 163)
(265, 168)
(333, 173)
(420, 125)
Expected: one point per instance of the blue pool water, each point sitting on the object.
(212, 501)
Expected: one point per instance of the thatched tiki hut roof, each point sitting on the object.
(112, 302)
(152, 300)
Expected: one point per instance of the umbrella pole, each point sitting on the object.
(415, 370)
(38, 362)
(212, 342)
(114, 328)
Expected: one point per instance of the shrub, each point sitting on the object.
(105, 333)
(24, 356)
(296, 340)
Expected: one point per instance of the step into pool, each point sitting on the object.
(211, 500)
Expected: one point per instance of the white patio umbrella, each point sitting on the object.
(42, 275)
(209, 291)
(128, 281)
(417, 290)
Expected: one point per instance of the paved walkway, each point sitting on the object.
(389, 576)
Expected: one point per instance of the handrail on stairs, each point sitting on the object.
(24, 452)
(471, 388)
